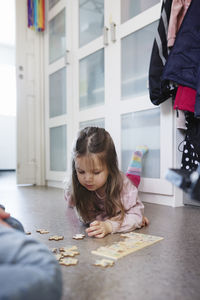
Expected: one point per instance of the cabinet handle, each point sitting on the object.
(67, 57)
(21, 68)
(105, 36)
(113, 32)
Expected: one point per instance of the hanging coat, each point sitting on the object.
(183, 63)
(159, 55)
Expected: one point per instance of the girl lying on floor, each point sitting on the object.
(105, 199)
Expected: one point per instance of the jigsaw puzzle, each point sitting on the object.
(131, 243)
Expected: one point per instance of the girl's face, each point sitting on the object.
(92, 174)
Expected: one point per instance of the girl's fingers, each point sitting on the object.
(92, 228)
(99, 236)
(95, 233)
(96, 229)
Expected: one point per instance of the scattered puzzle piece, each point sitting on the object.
(58, 256)
(72, 248)
(56, 237)
(68, 261)
(104, 263)
(28, 233)
(42, 231)
(54, 250)
(79, 236)
(69, 253)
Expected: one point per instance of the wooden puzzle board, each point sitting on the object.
(132, 242)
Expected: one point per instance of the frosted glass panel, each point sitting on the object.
(58, 151)
(57, 37)
(52, 3)
(96, 123)
(91, 20)
(135, 58)
(91, 80)
(131, 8)
(142, 128)
(57, 93)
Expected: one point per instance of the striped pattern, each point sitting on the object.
(36, 14)
(135, 167)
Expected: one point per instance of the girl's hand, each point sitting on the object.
(99, 229)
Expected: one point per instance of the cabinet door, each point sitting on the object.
(135, 121)
(89, 61)
(132, 8)
(91, 20)
(58, 80)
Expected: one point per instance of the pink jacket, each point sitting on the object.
(178, 11)
(133, 207)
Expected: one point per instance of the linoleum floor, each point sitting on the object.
(167, 270)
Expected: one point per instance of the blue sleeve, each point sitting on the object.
(28, 270)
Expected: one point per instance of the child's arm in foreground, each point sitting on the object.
(28, 270)
(133, 215)
(4, 215)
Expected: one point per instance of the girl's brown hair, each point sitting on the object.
(95, 140)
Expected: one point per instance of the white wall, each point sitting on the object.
(7, 108)
(8, 86)
(7, 142)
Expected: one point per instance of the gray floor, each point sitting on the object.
(167, 270)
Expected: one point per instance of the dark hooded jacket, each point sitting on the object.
(183, 63)
(159, 55)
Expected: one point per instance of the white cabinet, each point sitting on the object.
(97, 61)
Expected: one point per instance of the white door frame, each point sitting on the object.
(30, 100)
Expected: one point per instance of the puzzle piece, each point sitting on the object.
(56, 237)
(28, 233)
(69, 253)
(42, 231)
(68, 261)
(104, 263)
(54, 250)
(58, 256)
(72, 248)
(79, 236)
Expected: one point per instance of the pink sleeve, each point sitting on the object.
(178, 11)
(173, 21)
(134, 209)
